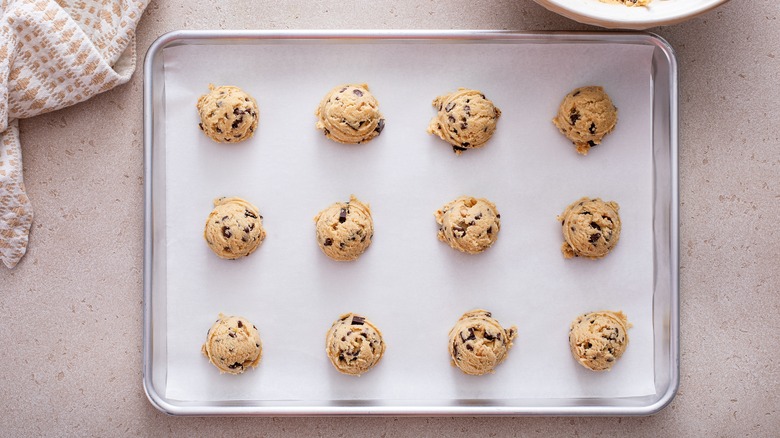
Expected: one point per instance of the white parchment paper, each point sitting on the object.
(412, 286)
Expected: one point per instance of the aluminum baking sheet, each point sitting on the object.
(409, 284)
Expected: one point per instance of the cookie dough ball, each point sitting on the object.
(233, 344)
(344, 229)
(353, 344)
(629, 2)
(598, 339)
(466, 119)
(227, 114)
(350, 114)
(234, 228)
(468, 224)
(478, 343)
(591, 228)
(586, 115)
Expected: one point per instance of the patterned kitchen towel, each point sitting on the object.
(53, 54)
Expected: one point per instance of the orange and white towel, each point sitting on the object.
(53, 54)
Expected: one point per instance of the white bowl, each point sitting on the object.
(617, 16)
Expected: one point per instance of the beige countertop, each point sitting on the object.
(71, 311)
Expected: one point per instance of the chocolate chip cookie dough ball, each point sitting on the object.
(353, 344)
(233, 344)
(478, 343)
(227, 114)
(585, 116)
(598, 339)
(234, 228)
(350, 114)
(466, 119)
(629, 2)
(591, 228)
(344, 229)
(468, 224)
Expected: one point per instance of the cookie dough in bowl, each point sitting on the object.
(478, 343)
(354, 345)
(591, 228)
(469, 224)
(233, 344)
(234, 228)
(350, 114)
(598, 339)
(344, 229)
(227, 114)
(585, 116)
(465, 119)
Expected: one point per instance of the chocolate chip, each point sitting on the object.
(201, 126)
(341, 357)
(489, 337)
(254, 326)
(246, 230)
(343, 339)
(252, 225)
(328, 242)
(468, 100)
(478, 216)
(380, 126)
(595, 237)
(469, 347)
(498, 216)
(464, 126)
(574, 116)
(588, 345)
(343, 216)
(592, 128)
(232, 335)
(219, 130)
(451, 119)
(257, 345)
(343, 90)
(483, 96)
(576, 93)
(237, 122)
(358, 320)
(610, 359)
(488, 314)
(471, 334)
(595, 225)
(449, 106)
(357, 92)
(224, 218)
(226, 232)
(342, 245)
(458, 149)
(237, 111)
(591, 143)
(240, 324)
(490, 230)
(467, 109)
(248, 213)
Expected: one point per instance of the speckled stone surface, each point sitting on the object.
(71, 311)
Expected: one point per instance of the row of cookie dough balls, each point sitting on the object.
(465, 119)
(590, 226)
(477, 343)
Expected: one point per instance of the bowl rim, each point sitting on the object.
(564, 7)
